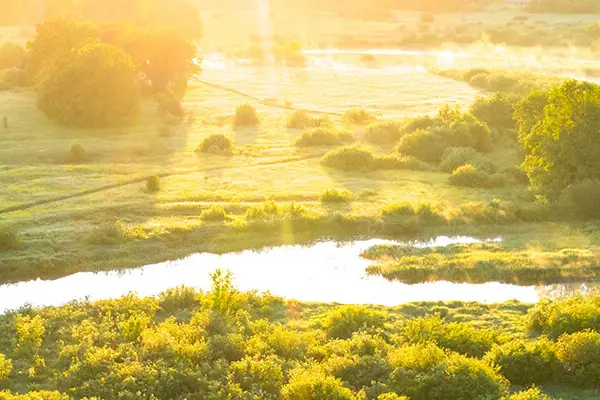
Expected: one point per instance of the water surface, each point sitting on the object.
(323, 272)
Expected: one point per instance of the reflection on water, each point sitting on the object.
(324, 272)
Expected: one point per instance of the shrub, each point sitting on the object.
(384, 133)
(267, 209)
(350, 158)
(76, 153)
(245, 115)
(459, 337)
(178, 298)
(469, 176)
(345, 320)
(9, 238)
(517, 173)
(525, 362)
(422, 144)
(582, 200)
(358, 371)
(107, 235)
(214, 213)
(455, 157)
(153, 183)
(301, 120)
(290, 53)
(532, 394)
(336, 196)
(315, 384)
(496, 111)
(579, 355)
(324, 137)
(170, 105)
(554, 318)
(418, 123)
(216, 144)
(5, 367)
(261, 377)
(358, 116)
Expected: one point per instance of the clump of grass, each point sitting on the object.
(245, 115)
(469, 176)
(324, 137)
(76, 153)
(350, 158)
(264, 210)
(214, 213)
(302, 120)
(384, 132)
(216, 144)
(107, 235)
(336, 196)
(9, 239)
(358, 116)
(456, 157)
(153, 183)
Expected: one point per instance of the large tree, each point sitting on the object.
(562, 142)
(97, 87)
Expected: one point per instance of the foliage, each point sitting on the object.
(579, 354)
(5, 367)
(216, 144)
(350, 158)
(469, 176)
(315, 384)
(289, 54)
(533, 393)
(554, 318)
(455, 157)
(302, 120)
(334, 195)
(245, 115)
(497, 111)
(214, 213)
(558, 146)
(358, 116)
(396, 161)
(582, 199)
(153, 183)
(525, 362)
(346, 320)
(324, 137)
(96, 88)
(384, 133)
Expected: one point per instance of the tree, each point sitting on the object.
(562, 146)
(97, 87)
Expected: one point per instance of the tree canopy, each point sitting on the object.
(562, 142)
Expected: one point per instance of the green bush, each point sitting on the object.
(459, 337)
(178, 298)
(497, 111)
(345, 320)
(350, 158)
(579, 354)
(9, 239)
(525, 362)
(554, 318)
(359, 371)
(533, 393)
(290, 54)
(358, 116)
(153, 183)
(245, 115)
(262, 378)
(469, 176)
(418, 123)
(315, 384)
(336, 196)
(423, 144)
(5, 367)
(216, 144)
(517, 173)
(582, 200)
(384, 133)
(301, 120)
(76, 153)
(324, 137)
(214, 213)
(455, 157)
